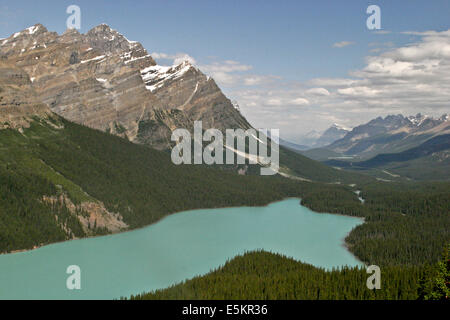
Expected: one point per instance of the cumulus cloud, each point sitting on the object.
(332, 82)
(343, 44)
(416, 75)
(175, 58)
(409, 79)
(226, 66)
(318, 91)
(300, 102)
(230, 73)
(358, 92)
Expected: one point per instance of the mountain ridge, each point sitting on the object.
(103, 80)
(394, 127)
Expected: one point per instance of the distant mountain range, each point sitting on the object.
(292, 145)
(317, 139)
(395, 138)
(335, 132)
(394, 133)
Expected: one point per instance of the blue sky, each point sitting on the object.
(277, 44)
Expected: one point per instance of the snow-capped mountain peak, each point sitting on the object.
(340, 127)
(445, 117)
(418, 119)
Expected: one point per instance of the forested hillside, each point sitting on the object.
(428, 161)
(263, 275)
(405, 223)
(88, 166)
(57, 159)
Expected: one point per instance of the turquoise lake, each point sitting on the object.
(178, 247)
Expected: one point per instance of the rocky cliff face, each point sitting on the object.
(102, 80)
(18, 101)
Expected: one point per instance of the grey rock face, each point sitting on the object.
(18, 101)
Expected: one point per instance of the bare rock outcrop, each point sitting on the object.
(91, 214)
(18, 101)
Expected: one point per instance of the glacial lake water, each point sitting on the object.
(176, 248)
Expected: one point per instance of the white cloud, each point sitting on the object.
(415, 77)
(343, 44)
(175, 58)
(226, 73)
(318, 91)
(300, 102)
(274, 102)
(254, 80)
(225, 66)
(409, 79)
(332, 82)
(358, 92)
(230, 73)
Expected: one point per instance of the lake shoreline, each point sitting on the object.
(181, 247)
(36, 247)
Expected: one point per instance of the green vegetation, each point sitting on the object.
(427, 161)
(406, 223)
(435, 284)
(263, 275)
(88, 165)
(24, 220)
(304, 167)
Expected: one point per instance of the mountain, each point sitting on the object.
(392, 148)
(431, 146)
(292, 145)
(18, 102)
(394, 133)
(104, 81)
(310, 138)
(101, 172)
(429, 160)
(61, 181)
(335, 132)
(78, 115)
(317, 139)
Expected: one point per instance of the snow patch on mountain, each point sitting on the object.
(32, 29)
(341, 127)
(94, 59)
(156, 76)
(418, 119)
(235, 105)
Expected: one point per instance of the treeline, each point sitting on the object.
(262, 275)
